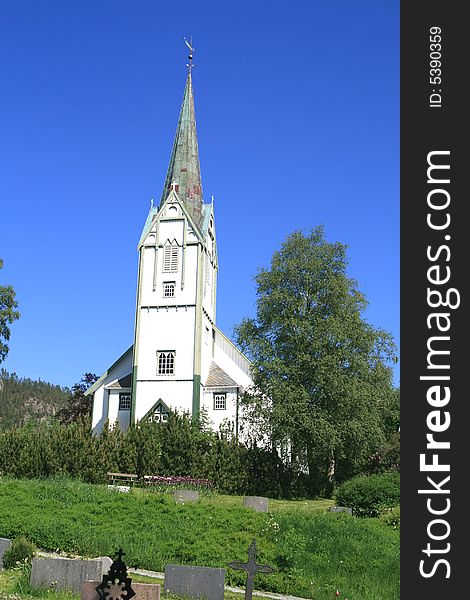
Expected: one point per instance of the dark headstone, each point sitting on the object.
(5, 544)
(337, 509)
(67, 573)
(116, 583)
(182, 496)
(195, 582)
(257, 503)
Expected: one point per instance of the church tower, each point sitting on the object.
(180, 361)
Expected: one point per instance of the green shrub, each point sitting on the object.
(391, 517)
(369, 495)
(20, 551)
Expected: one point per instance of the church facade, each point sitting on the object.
(179, 361)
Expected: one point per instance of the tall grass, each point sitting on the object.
(314, 553)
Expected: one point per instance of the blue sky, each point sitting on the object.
(297, 109)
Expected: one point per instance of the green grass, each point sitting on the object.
(314, 552)
(274, 505)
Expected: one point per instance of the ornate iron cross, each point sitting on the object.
(116, 585)
(251, 567)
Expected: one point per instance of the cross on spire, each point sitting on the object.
(252, 568)
(191, 52)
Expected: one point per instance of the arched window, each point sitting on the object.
(166, 362)
(170, 257)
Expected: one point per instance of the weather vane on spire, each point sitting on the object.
(191, 51)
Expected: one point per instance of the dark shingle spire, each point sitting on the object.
(184, 167)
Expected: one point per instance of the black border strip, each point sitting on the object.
(434, 123)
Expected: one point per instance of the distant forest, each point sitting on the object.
(24, 400)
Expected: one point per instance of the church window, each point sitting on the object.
(220, 401)
(207, 336)
(160, 414)
(124, 402)
(170, 258)
(166, 362)
(169, 289)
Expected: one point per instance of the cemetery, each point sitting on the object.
(199, 545)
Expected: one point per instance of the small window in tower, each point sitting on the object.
(124, 402)
(207, 336)
(169, 289)
(220, 401)
(170, 258)
(166, 362)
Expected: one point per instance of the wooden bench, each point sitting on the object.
(122, 478)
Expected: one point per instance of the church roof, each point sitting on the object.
(119, 384)
(184, 168)
(218, 377)
(127, 354)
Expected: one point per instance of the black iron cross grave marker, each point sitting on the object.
(251, 567)
(116, 584)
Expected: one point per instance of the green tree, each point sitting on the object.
(322, 374)
(8, 314)
(78, 404)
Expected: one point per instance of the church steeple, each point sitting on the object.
(184, 169)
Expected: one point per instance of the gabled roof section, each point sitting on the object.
(205, 217)
(148, 225)
(120, 384)
(218, 377)
(99, 382)
(184, 168)
(149, 414)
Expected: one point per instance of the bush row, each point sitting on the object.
(179, 447)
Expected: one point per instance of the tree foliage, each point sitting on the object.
(323, 382)
(78, 405)
(8, 314)
(23, 400)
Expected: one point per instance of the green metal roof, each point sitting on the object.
(148, 224)
(184, 168)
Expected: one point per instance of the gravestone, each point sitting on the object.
(120, 488)
(5, 544)
(67, 573)
(195, 582)
(143, 591)
(251, 567)
(117, 585)
(337, 509)
(181, 496)
(257, 503)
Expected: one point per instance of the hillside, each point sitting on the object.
(23, 399)
(314, 553)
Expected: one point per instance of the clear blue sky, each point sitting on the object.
(297, 107)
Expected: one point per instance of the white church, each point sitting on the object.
(179, 361)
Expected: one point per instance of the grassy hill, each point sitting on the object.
(314, 552)
(23, 400)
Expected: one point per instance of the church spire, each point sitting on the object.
(184, 169)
